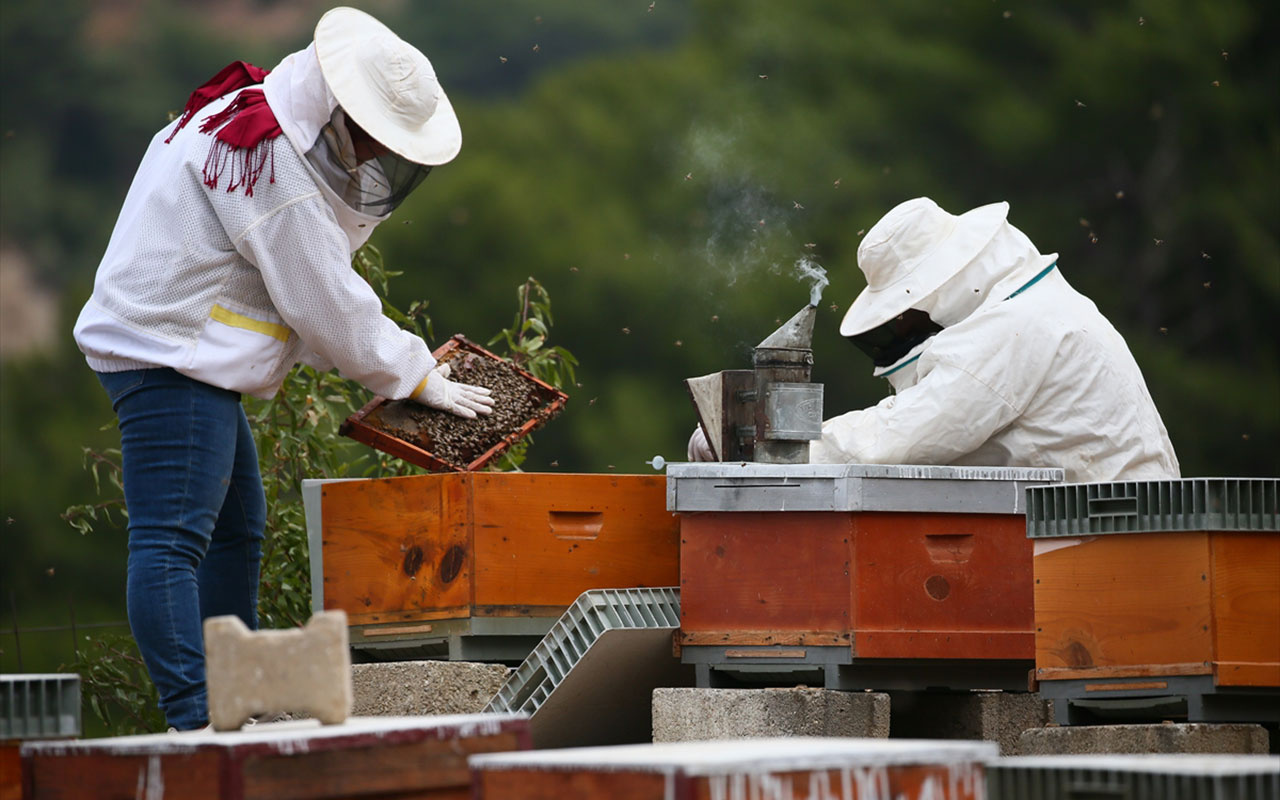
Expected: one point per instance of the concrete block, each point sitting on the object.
(998, 717)
(682, 715)
(1167, 737)
(306, 670)
(411, 688)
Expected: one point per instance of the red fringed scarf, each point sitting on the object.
(246, 129)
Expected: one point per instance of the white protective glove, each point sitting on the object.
(699, 450)
(462, 399)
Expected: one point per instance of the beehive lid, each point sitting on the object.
(293, 736)
(1187, 504)
(1148, 775)
(443, 442)
(851, 487)
(743, 756)
(45, 706)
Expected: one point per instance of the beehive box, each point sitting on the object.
(473, 562)
(441, 441)
(798, 767)
(855, 564)
(1140, 583)
(386, 757)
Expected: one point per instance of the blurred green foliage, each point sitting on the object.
(662, 169)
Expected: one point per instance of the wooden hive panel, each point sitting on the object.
(765, 578)
(1123, 605)
(942, 586)
(1246, 608)
(541, 540)
(397, 549)
(452, 546)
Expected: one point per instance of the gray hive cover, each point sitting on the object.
(45, 706)
(1135, 777)
(1184, 504)
(749, 486)
(591, 678)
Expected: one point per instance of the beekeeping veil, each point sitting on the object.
(358, 70)
(927, 269)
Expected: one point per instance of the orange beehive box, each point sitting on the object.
(794, 767)
(469, 561)
(926, 564)
(385, 757)
(1159, 589)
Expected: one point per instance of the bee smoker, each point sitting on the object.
(769, 413)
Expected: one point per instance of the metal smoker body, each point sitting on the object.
(770, 413)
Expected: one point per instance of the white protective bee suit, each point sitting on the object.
(1024, 372)
(230, 266)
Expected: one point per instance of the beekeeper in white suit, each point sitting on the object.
(993, 358)
(231, 262)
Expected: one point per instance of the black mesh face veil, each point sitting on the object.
(894, 339)
(376, 186)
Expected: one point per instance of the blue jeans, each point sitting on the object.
(196, 518)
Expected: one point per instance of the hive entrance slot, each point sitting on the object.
(579, 525)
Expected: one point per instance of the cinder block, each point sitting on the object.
(682, 715)
(411, 688)
(305, 670)
(998, 717)
(1167, 737)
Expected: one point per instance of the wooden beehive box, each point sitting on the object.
(889, 562)
(1156, 579)
(383, 757)
(799, 767)
(424, 556)
(887, 585)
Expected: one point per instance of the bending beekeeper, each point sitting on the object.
(993, 358)
(230, 263)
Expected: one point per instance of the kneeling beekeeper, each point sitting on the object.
(229, 264)
(993, 358)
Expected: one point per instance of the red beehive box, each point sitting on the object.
(851, 567)
(384, 757)
(796, 767)
(437, 557)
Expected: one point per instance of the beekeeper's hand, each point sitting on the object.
(462, 399)
(699, 450)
